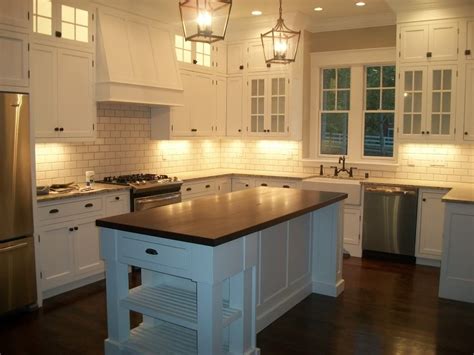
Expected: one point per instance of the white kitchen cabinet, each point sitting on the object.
(194, 189)
(56, 250)
(13, 60)
(203, 100)
(69, 240)
(235, 106)
(469, 103)
(428, 42)
(255, 58)
(15, 13)
(352, 219)
(181, 116)
(268, 101)
(62, 92)
(469, 44)
(276, 182)
(220, 90)
(236, 62)
(219, 58)
(241, 183)
(224, 185)
(430, 224)
(427, 102)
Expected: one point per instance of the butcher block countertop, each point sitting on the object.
(216, 220)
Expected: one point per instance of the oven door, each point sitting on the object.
(148, 202)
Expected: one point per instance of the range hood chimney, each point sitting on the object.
(136, 61)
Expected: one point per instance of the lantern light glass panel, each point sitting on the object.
(280, 44)
(205, 20)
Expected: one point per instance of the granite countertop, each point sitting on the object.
(216, 220)
(212, 173)
(98, 189)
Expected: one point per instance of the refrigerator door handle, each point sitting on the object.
(13, 247)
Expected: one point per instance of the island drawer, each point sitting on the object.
(156, 253)
(55, 211)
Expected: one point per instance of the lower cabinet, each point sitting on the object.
(430, 224)
(242, 183)
(69, 240)
(352, 232)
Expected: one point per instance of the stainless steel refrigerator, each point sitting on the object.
(17, 266)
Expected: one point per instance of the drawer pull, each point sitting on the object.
(54, 211)
(246, 185)
(208, 186)
(263, 184)
(286, 186)
(117, 198)
(71, 229)
(89, 205)
(76, 228)
(150, 251)
(189, 189)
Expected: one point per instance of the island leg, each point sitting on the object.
(327, 242)
(209, 308)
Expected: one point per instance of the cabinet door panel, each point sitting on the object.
(470, 39)
(235, 58)
(180, 116)
(235, 106)
(431, 225)
(221, 106)
(75, 93)
(257, 104)
(219, 58)
(443, 41)
(278, 101)
(299, 244)
(15, 13)
(13, 59)
(469, 103)
(256, 58)
(273, 261)
(414, 43)
(44, 90)
(242, 184)
(202, 103)
(351, 226)
(117, 204)
(57, 266)
(86, 248)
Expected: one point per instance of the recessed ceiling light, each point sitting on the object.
(360, 3)
(318, 9)
(256, 12)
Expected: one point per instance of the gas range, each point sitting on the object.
(144, 183)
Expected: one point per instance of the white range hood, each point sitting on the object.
(136, 61)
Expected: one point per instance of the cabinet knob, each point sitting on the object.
(58, 34)
(189, 189)
(56, 129)
(150, 251)
(263, 184)
(54, 211)
(89, 205)
(424, 200)
(194, 130)
(61, 129)
(269, 65)
(427, 132)
(466, 133)
(429, 54)
(467, 52)
(246, 185)
(71, 229)
(195, 61)
(241, 67)
(208, 186)
(117, 198)
(239, 130)
(286, 186)
(76, 228)
(422, 132)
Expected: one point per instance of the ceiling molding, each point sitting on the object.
(346, 23)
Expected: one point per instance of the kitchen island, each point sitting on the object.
(217, 269)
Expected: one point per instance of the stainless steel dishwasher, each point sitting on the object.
(389, 225)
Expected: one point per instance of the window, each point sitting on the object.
(74, 24)
(42, 17)
(203, 54)
(379, 113)
(336, 97)
(183, 49)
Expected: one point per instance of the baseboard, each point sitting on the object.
(272, 314)
(326, 289)
(428, 262)
(73, 285)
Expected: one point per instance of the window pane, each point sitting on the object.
(417, 102)
(82, 17)
(416, 124)
(82, 34)
(388, 76)
(274, 105)
(406, 124)
(274, 125)
(418, 81)
(378, 134)
(179, 55)
(207, 49)
(254, 87)
(187, 57)
(334, 133)
(373, 77)
(343, 78)
(281, 123)
(178, 41)
(447, 102)
(407, 102)
(281, 106)
(388, 99)
(199, 47)
(67, 13)
(343, 100)
(373, 100)
(445, 124)
(67, 30)
(274, 86)
(435, 124)
(436, 79)
(207, 61)
(329, 100)
(408, 81)
(329, 78)
(261, 87)
(44, 8)
(282, 84)
(436, 102)
(187, 45)
(446, 79)
(44, 25)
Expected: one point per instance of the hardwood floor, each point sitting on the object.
(386, 308)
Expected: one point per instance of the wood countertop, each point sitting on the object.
(215, 220)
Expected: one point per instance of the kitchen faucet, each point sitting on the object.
(343, 169)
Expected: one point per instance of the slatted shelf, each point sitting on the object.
(172, 304)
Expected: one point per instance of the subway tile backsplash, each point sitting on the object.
(123, 146)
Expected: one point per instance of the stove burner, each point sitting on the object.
(136, 179)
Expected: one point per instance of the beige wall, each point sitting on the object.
(373, 37)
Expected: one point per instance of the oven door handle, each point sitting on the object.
(145, 200)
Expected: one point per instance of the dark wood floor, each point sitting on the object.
(387, 308)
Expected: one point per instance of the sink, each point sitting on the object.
(90, 190)
(344, 177)
(350, 186)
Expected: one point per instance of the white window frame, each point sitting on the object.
(357, 60)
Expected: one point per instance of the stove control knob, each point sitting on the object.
(143, 182)
(175, 178)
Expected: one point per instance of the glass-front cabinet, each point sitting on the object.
(268, 105)
(427, 102)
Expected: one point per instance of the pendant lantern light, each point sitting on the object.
(205, 20)
(280, 44)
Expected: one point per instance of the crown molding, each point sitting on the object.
(346, 23)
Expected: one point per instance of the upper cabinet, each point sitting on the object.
(437, 41)
(468, 130)
(427, 101)
(15, 13)
(248, 57)
(469, 48)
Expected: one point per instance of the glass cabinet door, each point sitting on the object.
(257, 105)
(412, 105)
(278, 108)
(441, 106)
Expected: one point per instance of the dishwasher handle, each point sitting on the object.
(392, 190)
